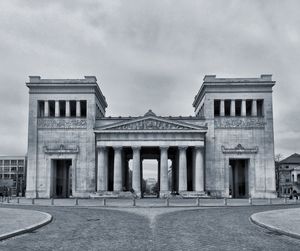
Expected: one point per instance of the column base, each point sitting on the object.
(32, 194)
(112, 194)
(164, 194)
(265, 195)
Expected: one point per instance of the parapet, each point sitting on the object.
(39, 80)
(214, 79)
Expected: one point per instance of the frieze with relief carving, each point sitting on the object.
(238, 122)
(61, 150)
(239, 149)
(150, 124)
(57, 123)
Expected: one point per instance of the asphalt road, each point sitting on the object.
(105, 229)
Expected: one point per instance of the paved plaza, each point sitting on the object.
(151, 228)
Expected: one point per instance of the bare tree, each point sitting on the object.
(278, 157)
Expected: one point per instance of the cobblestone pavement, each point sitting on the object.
(193, 229)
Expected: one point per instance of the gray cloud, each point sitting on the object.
(148, 54)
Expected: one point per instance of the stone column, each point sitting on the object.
(136, 170)
(254, 108)
(164, 169)
(232, 108)
(243, 109)
(57, 108)
(68, 114)
(118, 168)
(102, 169)
(46, 108)
(78, 110)
(182, 169)
(199, 169)
(222, 108)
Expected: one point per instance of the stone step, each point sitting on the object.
(110, 194)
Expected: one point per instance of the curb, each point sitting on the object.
(202, 205)
(30, 228)
(272, 228)
(153, 206)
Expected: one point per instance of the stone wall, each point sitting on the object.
(249, 132)
(46, 138)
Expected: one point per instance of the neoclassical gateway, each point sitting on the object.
(225, 150)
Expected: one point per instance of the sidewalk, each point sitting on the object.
(18, 221)
(284, 221)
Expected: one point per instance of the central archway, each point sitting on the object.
(150, 178)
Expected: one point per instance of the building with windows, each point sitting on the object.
(13, 174)
(225, 150)
(289, 175)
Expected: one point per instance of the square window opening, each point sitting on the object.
(238, 107)
(73, 108)
(51, 108)
(217, 107)
(41, 108)
(260, 108)
(62, 108)
(227, 107)
(83, 108)
(248, 107)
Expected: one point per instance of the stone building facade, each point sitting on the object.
(225, 150)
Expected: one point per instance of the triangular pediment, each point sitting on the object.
(152, 123)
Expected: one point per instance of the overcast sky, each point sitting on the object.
(149, 55)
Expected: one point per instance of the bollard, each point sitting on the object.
(52, 201)
(270, 201)
(32, 201)
(198, 201)
(295, 199)
(167, 201)
(285, 200)
(18, 200)
(76, 202)
(250, 201)
(2, 199)
(225, 201)
(133, 202)
(104, 202)
(7, 200)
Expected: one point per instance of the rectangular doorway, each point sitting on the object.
(238, 178)
(61, 178)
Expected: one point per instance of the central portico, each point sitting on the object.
(178, 139)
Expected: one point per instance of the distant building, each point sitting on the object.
(151, 184)
(13, 174)
(289, 175)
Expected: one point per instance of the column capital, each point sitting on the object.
(117, 148)
(182, 148)
(163, 147)
(102, 148)
(136, 148)
(199, 147)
